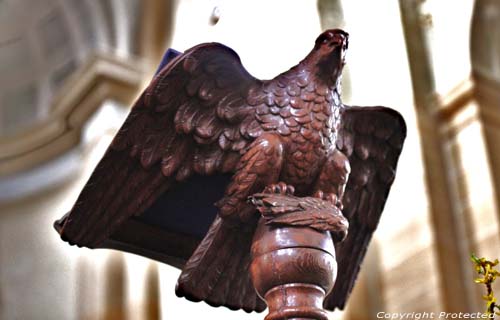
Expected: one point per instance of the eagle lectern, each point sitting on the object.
(262, 191)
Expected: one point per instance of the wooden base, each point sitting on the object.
(296, 301)
(292, 269)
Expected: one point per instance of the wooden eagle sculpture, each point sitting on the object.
(204, 115)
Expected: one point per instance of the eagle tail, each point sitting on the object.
(218, 270)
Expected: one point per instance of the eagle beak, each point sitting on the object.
(343, 55)
(341, 41)
(342, 50)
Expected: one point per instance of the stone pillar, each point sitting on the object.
(451, 237)
(485, 56)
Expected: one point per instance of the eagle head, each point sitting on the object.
(328, 55)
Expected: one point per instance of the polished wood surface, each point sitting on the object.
(293, 269)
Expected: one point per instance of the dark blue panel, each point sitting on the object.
(167, 57)
(189, 207)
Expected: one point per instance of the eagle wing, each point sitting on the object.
(372, 138)
(193, 118)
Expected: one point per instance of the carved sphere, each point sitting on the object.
(299, 260)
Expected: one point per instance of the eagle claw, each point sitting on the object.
(280, 188)
(330, 197)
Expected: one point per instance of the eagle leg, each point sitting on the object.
(259, 167)
(331, 182)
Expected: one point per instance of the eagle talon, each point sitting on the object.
(280, 188)
(330, 197)
(339, 236)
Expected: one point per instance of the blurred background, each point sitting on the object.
(71, 69)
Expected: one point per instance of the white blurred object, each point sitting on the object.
(96, 137)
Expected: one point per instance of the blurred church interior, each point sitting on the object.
(71, 69)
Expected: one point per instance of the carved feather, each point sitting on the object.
(366, 132)
(176, 118)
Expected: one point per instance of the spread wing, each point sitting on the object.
(193, 118)
(372, 138)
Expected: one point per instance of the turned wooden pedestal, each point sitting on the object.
(293, 269)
